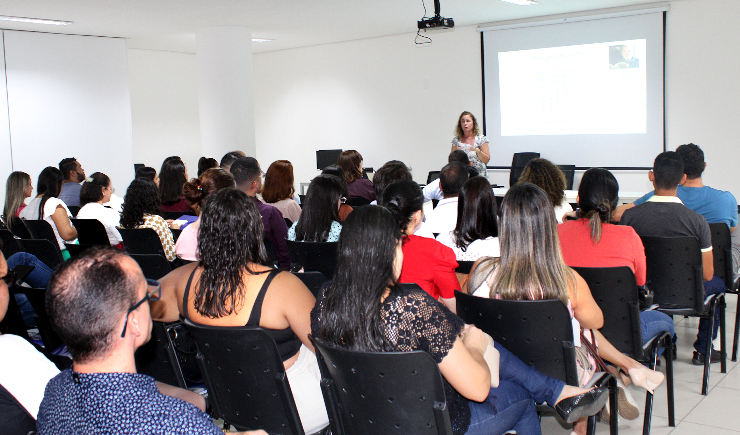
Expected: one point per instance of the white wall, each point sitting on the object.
(389, 99)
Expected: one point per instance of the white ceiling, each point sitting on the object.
(171, 24)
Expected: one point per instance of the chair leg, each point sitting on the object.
(591, 424)
(669, 380)
(722, 340)
(613, 407)
(708, 349)
(737, 329)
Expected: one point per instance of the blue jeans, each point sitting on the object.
(511, 405)
(38, 278)
(653, 323)
(713, 287)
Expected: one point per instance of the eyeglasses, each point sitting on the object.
(112, 189)
(343, 200)
(153, 295)
(9, 277)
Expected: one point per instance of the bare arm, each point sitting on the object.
(64, 226)
(464, 367)
(167, 309)
(484, 153)
(619, 211)
(296, 301)
(585, 308)
(707, 265)
(450, 303)
(194, 399)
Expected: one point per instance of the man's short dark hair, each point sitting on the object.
(458, 156)
(86, 298)
(229, 158)
(67, 165)
(245, 170)
(693, 160)
(451, 178)
(668, 170)
(388, 173)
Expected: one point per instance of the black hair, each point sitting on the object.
(458, 156)
(387, 174)
(476, 213)
(229, 158)
(320, 208)
(171, 179)
(229, 239)
(668, 170)
(141, 198)
(451, 178)
(92, 191)
(67, 165)
(403, 198)
(49, 186)
(147, 173)
(598, 195)
(206, 163)
(693, 160)
(245, 170)
(86, 298)
(337, 171)
(350, 309)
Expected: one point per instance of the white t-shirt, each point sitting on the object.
(561, 209)
(108, 217)
(24, 371)
(31, 212)
(444, 217)
(488, 247)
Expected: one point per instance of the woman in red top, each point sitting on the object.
(426, 262)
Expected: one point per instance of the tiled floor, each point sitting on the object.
(717, 413)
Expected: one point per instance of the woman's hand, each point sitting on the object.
(474, 339)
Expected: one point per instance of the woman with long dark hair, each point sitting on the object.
(172, 176)
(196, 191)
(141, 209)
(476, 232)
(48, 207)
(148, 173)
(351, 163)
(319, 220)
(278, 189)
(231, 285)
(96, 191)
(337, 171)
(531, 267)
(365, 308)
(206, 163)
(18, 187)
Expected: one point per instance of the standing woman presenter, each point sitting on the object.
(469, 139)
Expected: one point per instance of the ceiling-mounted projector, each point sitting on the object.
(437, 22)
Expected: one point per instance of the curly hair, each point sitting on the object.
(278, 182)
(548, 177)
(141, 198)
(458, 129)
(230, 240)
(209, 182)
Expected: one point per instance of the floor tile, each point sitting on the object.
(687, 428)
(716, 410)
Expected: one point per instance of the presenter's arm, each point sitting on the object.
(484, 154)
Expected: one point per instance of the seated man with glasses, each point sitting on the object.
(96, 303)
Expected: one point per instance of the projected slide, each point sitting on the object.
(579, 89)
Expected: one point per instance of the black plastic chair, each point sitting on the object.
(570, 173)
(245, 378)
(174, 215)
(615, 291)
(18, 227)
(37, 298)
(723, 268)
(288, 222)
(77, 249)
(518, 162)
(10, 244)
(379, 392)
(91, 232)
(74, 209)
(674, 274)
(433, 175)
(313, 280)
(154, 266)
(40, 229)
(141, 241)
(540, 333)
(464, 266)
(46, 251)
(271, 252)
(318, 256)
(157, 358)
(175, 234)
(357, 201)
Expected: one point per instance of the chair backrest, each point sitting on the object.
(157, 358)
(76, 249)
(380, 392)
(288, 222)
(615, 291)
(245, 378)
(318, 256)
(141, 241)
(313, 280)
(46, 251)
(570, 173)
(18, 227)
(10, 244)
(271, 251)
(91, 232)
(518, 162)
(37, 298)
(464, 266)
(176, 214)
(674, 273)
(433, 175)
(357, 201)
(40, 229)
(540, 333)
(722, 253)
(74, 209)
(154, 266)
